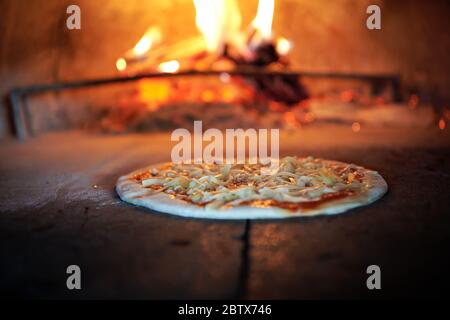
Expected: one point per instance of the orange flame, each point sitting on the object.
(218, 21)
(264, 18)
(151, 36)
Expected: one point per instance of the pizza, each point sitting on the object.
(298, 187)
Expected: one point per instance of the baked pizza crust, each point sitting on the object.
(132, 191)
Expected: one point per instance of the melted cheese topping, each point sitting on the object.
(297, 183)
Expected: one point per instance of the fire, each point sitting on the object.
(169, 66)
(263, 19)
(218, 21)
(442, 124)
(151, 36)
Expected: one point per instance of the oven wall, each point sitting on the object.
(36, 47)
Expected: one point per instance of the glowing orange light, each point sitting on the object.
(283, 46)
(207, 96)
(121, 64)
(154, 90)
(442, 124)
(227, 94)
(151, 36)
(142, 46)
(169, 66)
(356, 127)
(264, 18)
(289, 118)
(218, 21)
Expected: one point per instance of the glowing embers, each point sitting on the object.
(441, 124)
(208, 89)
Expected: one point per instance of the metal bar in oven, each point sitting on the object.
(17, 94)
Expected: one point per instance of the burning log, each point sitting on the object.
(187, 50)
(222, 46)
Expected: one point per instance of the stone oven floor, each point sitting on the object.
(58, 207)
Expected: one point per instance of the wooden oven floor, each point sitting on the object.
(58, 207)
